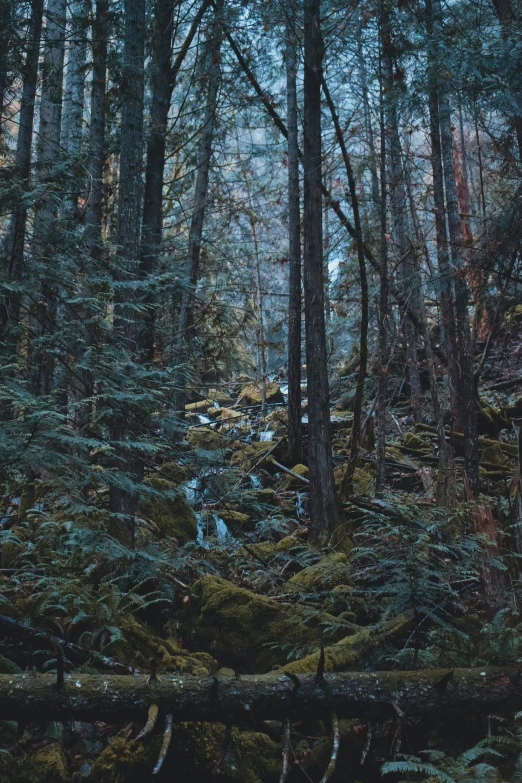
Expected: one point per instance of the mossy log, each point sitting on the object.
(276, 695)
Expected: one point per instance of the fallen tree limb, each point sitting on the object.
(372, 695)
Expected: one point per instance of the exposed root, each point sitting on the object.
(151, 722)
(335, 750)
(367, 744)
(286, 751)
(165, 745)
(226, 744)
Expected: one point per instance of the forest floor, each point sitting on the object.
(223, 579)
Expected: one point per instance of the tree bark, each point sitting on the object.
(211, 81)
(324, 510)
(15, 237)
(43, 311)
(363, 281)
(275, 696)
(123, 500)
(295, 444)
(164, 75)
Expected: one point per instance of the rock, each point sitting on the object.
(234, 519)
(413, 441)
(125, 761)
(494, 455)
(250, 632)
(175, 472)
(246, 456)
(224, 400)
(264, 550)
(199, 407)
(45, 765)
(291, 481)
(172, 516)
(332, 570)
(252, 394)
(205, 439)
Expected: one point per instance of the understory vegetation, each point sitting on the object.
(261, 385)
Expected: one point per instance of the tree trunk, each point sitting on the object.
(123, 499)
(93, 211)
(44, 308)
(467, 420)
(274, 696)
(211, 82)
(15, 237)
(363, 281)
(383, 358)
(72, 124)
(295, 445)
(324, 510)
(164, 75)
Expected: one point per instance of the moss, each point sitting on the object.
(251, 757)
(199, 407)
(413, 441)
(292, 481)
(287, 543)
(10, 551)
(124, 761)
(252, 394)
(248, 631)
(222, 398)
(332, 570)
(363, 479)
(175, 472)
(247, 455)
(229, 414)
(167, 653)
(46, 765)
(263, 550)
(235, 519)
(205, 438)
(493, 455)
(172, 516)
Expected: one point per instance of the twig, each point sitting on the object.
(165, 745)
(335, 750)
(151, 722)
(286, 750)
(397, 737)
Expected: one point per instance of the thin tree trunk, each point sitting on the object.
(15, 237)
(370, 141)
(324, 510)
(94, 211)
(295, 444)
(123, 499)
(467, 406)
(383, 358)
(363, 281)
(212, 77)
(44, 309)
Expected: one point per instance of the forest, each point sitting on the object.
(261, 391)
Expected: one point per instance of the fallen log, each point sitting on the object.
(235, 699)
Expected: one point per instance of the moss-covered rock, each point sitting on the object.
(174, 471)
(250, 632)
(332, 570)
(172, 516)
(223, 399)
(252, 394)
(201, 406)
(292, 481)
(45, 765)
(262, 550)
(247, 455)
(125, 761)
(205, 438)
(493, 455)
(414, 441)
(235, 519)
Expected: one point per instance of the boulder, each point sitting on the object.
(201, 406)
(329, 572)
(292, 481)
(250, 632)
(252, 394)
(171, 514)
(205, 439)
